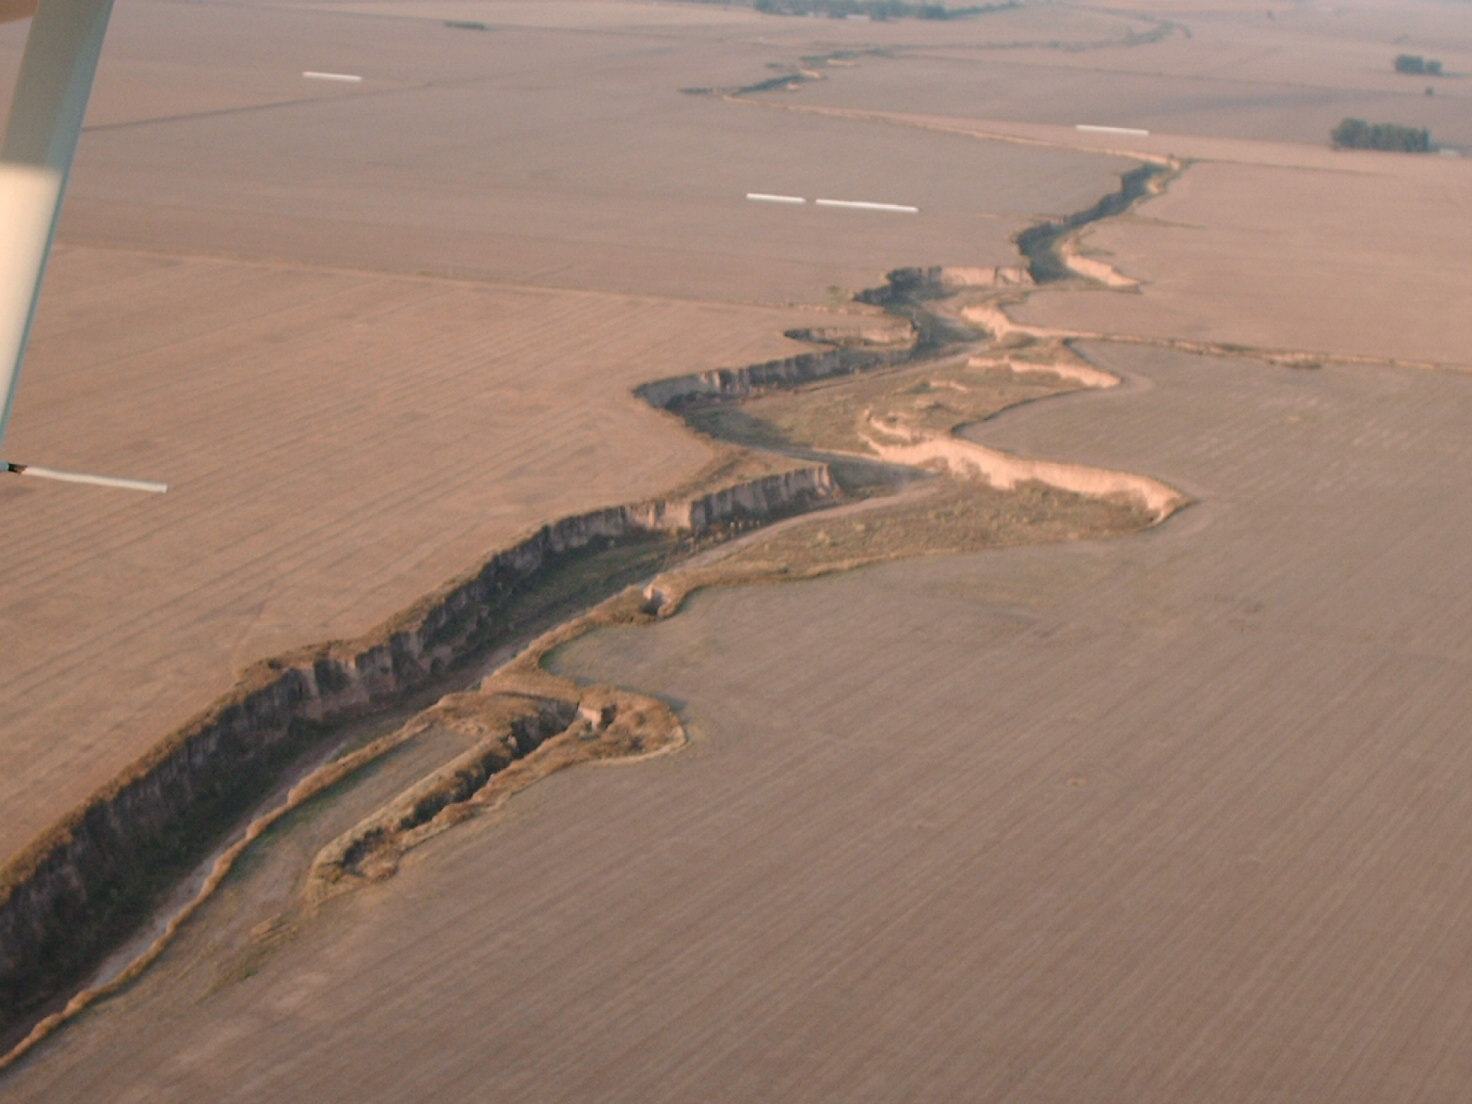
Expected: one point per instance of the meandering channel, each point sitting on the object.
(79, 888)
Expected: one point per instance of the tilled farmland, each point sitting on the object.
(1167, 807)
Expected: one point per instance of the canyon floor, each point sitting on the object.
(1176, 813)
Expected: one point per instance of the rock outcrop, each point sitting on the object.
(737, 383)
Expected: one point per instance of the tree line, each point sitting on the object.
(1358, 134)
(1416, 64)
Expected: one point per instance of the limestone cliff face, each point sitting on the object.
(70, 892)
(735, 383)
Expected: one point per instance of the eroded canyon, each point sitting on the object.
(992, 688)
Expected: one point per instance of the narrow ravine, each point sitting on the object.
(78, 891)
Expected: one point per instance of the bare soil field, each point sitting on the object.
(1294, 246)
(172, 62)
(1263, 245)
(573, 15)
(1364, 254)
(315, 422)
(310, 353)
(1266, 107)
(473, 751)
(1176, 815)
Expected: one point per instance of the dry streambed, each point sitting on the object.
(1245, 200)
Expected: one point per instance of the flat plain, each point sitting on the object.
(1173, 816)
(617, 182)
(1290, 257)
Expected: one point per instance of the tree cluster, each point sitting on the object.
(1417, 65)
(1358, 134)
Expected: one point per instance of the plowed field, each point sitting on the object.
(1176, 816)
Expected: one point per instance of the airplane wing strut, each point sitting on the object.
(46, 113)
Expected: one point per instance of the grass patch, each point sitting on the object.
(955, 517)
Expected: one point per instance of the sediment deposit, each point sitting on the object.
(967, 459)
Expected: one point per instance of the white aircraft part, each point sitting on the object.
(28, 199)
(46, 115)
(45, 121)
(766, 197)
(862, 205)
(1112, 130)
(347, 78)
(83, 477)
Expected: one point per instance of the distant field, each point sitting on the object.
(579, 15)
(1239, 74)
(179, 58)
(1063, 89)
(527, 154)
(1270, 245)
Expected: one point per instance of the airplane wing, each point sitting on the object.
(36, 154)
